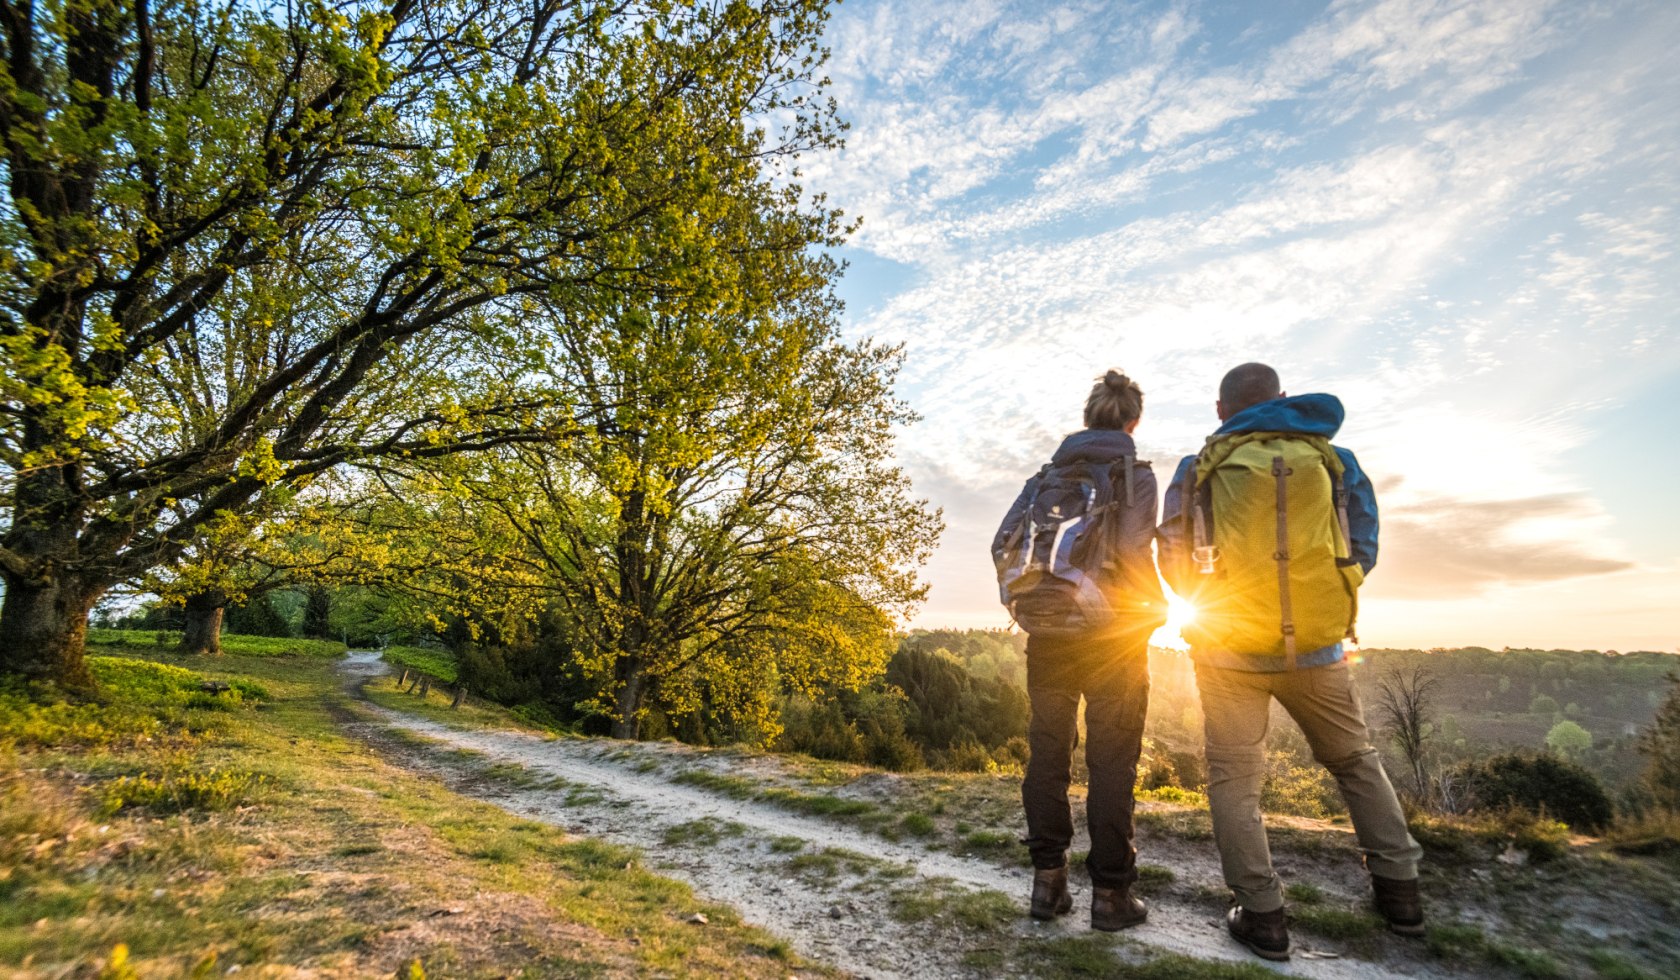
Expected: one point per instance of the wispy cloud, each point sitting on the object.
(1456, 215)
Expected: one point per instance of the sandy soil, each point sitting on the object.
(740, 852)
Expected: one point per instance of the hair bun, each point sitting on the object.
(1116, 380)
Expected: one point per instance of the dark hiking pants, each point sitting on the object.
(1113, 675)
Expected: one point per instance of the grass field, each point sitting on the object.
(169, 830)
(233, 644)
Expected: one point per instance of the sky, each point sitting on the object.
(1458, 217)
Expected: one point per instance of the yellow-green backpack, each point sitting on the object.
(1272, 570)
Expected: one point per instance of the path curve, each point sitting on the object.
(835, 919)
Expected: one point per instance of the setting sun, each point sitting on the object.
(1180, 614)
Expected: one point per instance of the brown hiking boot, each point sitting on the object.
(1264, 933)
(1050, 896)
(1398, 902)
(1113, 909)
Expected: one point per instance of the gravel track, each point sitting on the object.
(740, 852)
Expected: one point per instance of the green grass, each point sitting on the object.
(1182, 824)
(1174, 794)
(1070, 956)
(858, 812)
(1303, 892)
(1154, 879)
(438, 663)
(703, 833)
(1334, 922)
(138, 702)
(1469, 943)
(1612, 967)
(1478, 836)
(989, 840)
(917, 824)
(233, 644)
(943, 902)
(333, 853)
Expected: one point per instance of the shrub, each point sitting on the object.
(1461, 837)
(1298, 790)
(178, 790)
(1538, 784)
(137, 701)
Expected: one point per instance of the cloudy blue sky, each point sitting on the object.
(1458, 216)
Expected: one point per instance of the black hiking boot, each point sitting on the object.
(1398, 902)
(1113, 909)
(1050, 896)
(1264, 933)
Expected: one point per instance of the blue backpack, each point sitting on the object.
(1052, 565)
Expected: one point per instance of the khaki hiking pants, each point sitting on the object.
(1322, 700)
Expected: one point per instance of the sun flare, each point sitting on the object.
(1180, 614)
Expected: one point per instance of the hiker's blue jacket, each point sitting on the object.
(1315, 415)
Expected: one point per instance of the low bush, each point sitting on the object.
(1540, 784)
(1470, 835)
(1173, 794)
(177, 790)
(137, 701)
(1654, 832)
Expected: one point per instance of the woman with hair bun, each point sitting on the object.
(1091, 509)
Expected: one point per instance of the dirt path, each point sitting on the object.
(824, 887)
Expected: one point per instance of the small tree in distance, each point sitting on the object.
(1406, 705)
(1568, 739)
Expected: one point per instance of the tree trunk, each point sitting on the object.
(628, 699)
(42, 628)
(202, 631)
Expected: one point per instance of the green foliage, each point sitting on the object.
(1568, 738)
(1660, 745)
(438, 663)
(364, 236)
(232, 643)
(139, 702)
(1469, 836)
(1302, 790)
(960, 720)
(1174, 794)
(258, 616)
(1467, 942)
(1539, 784)
(178, 789)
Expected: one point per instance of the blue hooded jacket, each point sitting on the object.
(1314, 414)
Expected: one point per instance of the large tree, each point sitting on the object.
(243, 244)
(734, 521)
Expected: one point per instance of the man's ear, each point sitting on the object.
(1219, 409)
